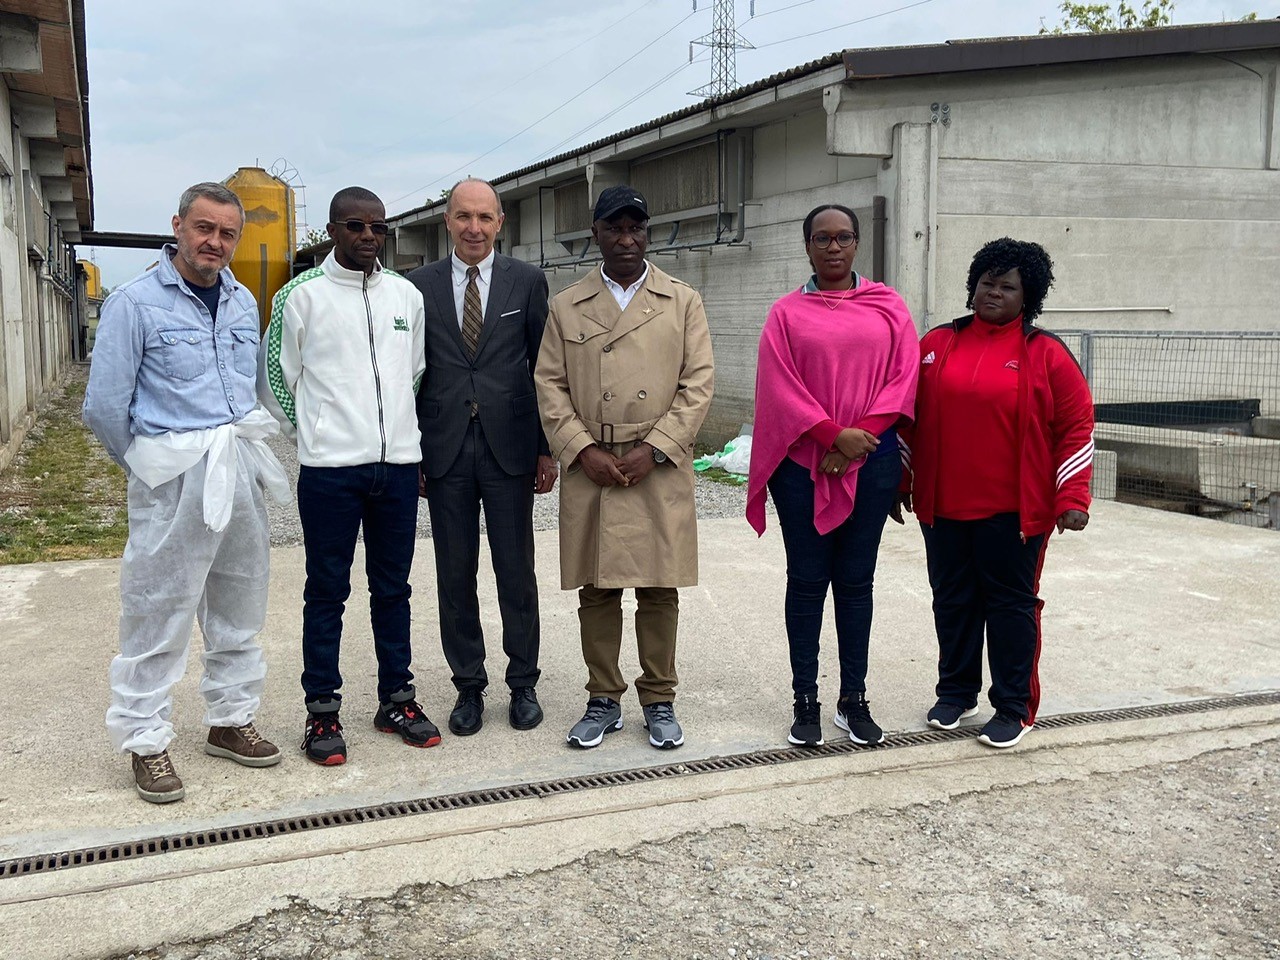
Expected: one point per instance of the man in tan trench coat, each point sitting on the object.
(624, 381)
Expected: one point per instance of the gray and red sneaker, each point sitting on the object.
(408, 720)
(322, 742)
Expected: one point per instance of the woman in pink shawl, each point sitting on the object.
(836, 375)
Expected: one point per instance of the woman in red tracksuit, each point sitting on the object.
(1001, 453)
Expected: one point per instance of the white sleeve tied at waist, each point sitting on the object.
(157, 460)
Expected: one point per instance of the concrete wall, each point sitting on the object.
(792, 174)
(1152, 183)
(37, 324)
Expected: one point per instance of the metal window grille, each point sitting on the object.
(1191, 419)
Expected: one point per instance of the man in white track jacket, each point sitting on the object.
(341, 366)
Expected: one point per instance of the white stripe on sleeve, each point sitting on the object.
(1075, 463)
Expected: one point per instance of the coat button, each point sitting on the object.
(582, 336)
(641, 394)
(608, 347)
(608, 395)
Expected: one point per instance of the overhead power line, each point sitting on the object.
(507, 86)
(841, 26)
(770, 13)
(620, 107)
(612, 70)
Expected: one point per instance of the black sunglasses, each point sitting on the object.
(379, 227)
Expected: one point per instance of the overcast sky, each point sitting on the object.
(405, 96)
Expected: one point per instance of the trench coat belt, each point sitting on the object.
(609, 434)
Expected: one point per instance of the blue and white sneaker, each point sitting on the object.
(1003, 730)
(947, 716)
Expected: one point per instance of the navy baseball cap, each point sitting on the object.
(614, 200)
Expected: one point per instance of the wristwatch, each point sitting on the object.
(658, 455)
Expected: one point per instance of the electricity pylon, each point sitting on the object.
(725, 42)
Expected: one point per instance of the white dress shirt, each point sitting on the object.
(624, 296)
(460, 283)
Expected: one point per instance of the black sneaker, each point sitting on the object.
(408, 720)
(947, 716)
(322, 742)
(853, 715)
(806, 731)
(1003, 730)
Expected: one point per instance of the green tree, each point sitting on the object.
(1102, 17)
(312, 238)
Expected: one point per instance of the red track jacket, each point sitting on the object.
(1055, 429)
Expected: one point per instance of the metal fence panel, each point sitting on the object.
(1193, 418)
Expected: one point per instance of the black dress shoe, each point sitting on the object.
(525, 713)
(468, 713)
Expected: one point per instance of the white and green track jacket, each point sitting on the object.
(341, 363)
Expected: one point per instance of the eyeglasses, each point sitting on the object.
(823, 240)
(379, 227)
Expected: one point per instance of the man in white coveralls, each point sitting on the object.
(172, 396)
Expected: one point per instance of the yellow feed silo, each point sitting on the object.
(264, 256)
(92, 280)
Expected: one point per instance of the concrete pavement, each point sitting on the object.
(1144, 607)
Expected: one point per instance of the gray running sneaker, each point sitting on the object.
(603, 716)
(664, 729)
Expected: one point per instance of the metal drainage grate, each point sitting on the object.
(45, 863)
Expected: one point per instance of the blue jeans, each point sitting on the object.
(333, 504)
(843, 560)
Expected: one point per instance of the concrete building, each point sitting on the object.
(46, 201)
(1147, 162)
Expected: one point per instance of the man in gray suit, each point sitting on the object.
(482, 445)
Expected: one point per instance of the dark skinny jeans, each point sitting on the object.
(843, 560)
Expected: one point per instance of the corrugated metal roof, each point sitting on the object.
(1000, 53)
(813, 66)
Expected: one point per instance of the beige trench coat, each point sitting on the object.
(606, 375)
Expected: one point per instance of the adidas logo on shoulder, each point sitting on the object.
(928, 358)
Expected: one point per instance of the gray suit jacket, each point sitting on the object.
(499, 380)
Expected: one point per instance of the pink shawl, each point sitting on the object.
(815, 364)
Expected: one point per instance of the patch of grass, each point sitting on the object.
(62, 498)
(718, 475)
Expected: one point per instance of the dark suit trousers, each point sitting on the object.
(454, 500)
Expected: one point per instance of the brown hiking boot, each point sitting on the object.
(157, 781)
(244, 745)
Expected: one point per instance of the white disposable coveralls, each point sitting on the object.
(198, 548)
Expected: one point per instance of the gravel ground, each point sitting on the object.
(714, 499)
(1176, 861)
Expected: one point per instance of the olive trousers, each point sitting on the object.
(657, 615)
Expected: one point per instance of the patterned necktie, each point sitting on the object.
(472, 316)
